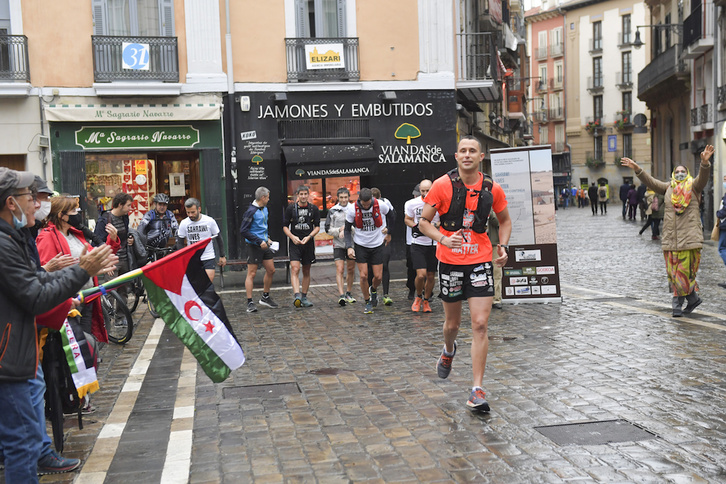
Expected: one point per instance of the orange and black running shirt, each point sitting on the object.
(476, 247)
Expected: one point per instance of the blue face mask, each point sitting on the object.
(23, 221)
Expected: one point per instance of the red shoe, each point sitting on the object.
(426, 306)
(416, 306)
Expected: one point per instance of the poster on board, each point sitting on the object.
(532, 271)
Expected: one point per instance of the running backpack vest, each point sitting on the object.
(453, 220)
(377, 220)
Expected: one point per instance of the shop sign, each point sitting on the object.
(136, 137)
(324, 56)
(408, 152)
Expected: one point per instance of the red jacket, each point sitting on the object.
(51, 242)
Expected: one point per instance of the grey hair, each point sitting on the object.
(191, 202)
(261, 192)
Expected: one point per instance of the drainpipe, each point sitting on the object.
(232, 122)
(42, 153)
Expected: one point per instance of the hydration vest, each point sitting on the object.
(377, 220)
(453, 220)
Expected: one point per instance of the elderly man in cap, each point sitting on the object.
(24, 293)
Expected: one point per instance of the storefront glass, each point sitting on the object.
(327, 186)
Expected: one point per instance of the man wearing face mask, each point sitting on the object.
(24, 293)
(118, 217)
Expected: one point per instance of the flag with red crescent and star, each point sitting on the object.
(185, 299)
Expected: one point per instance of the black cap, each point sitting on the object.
(41, 186)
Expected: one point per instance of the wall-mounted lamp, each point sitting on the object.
(388, 95)
(638, 43)
(279, 97)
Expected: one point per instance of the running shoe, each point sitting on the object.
(306, 302)
(368, 309)
(55, 464)
(426, 306)
(387, 300)
(267, 301)
(443, 366)
(297, 302)
(374, 297)
(341, 300)
(478, 400)
(349, 298)
(251, 308)
(416, 306)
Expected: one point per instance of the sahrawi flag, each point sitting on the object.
(185, 299)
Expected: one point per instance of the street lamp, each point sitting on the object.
(675, 28)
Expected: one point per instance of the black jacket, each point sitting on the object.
(25, 293)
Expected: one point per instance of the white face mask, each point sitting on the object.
(43, 211)
(680, 176)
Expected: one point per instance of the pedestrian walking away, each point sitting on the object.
(592, 195)
(366, 244)
(26, 292)
(682, 235)
(254, 229)
(721, 221)
(463, 198)
(410, 271)
(301, 223)
(602, 197)
(624, 189)
(198, 226)
(344, 266)
(389, 222)
(423, 251)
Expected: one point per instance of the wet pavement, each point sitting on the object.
(329, 394)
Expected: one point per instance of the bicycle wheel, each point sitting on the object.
(118, 319)
(152, 311)
(135, 293)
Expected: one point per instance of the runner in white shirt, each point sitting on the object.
(423, 251)
(366, 245)
(196, 227)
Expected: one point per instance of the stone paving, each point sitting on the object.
(363, 403)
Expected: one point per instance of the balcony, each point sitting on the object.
(556, 114)
(665, 77)
(556, 84)
(623, 121)
(540, 53)
(135, 59)
(596, 45)
(624, 80)
(14, 58)
(339, 62)
(625, 39)
(478, 72)
(558, 147)
(594, 85)
(594, 159)
(516, 104)
(698, 30)
(594, 125)
(540, 116)
(702, 118)
(541, 86)
(557, 50)
(722, 98)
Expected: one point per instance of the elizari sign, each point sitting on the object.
(134, 137)
(532, 271)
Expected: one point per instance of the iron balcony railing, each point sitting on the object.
(722, 95)
(540, 116)
(126, 58)
(557, 49)
(556, 83)
(695, 121)
(704, 114)
(300, 68)
(556, 113)
(625, 39)
(594, 84)
(14, 58)
(478, 56)
(541, 86)
(624, 80)
(661, 68)
(540, 53)
(698, 25)
(595, 45)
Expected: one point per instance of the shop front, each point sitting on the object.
(326, 140)
(179, 157)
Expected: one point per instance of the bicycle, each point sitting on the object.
(117, 318)
(136, 290)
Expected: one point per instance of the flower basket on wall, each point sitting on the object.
(594, 163)
(593, 126)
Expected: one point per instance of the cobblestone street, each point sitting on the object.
(355, 398)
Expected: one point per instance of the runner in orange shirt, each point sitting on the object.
(463, 199)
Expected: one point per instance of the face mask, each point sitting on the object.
(22, 221)
(75, 221)
(43, 211)
(680, 176)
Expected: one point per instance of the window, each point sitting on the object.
(597, 36)
(667, 31)
(326, 188)
(556, 44)
(542, 84)
(626, 29)
(544, 135)
(628, 101)
(320, 18)
(598, 147)
(133, 18)
(597, 72)
(628, 145)
(560, 134)
(597, 107)
(627, 68)
(559, 74)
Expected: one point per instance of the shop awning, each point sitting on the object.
(322, 161)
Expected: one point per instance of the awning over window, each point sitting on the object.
(322, 161)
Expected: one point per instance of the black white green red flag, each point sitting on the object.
(184, 297)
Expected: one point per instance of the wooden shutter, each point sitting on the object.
(211, 167)
(73, 175)
(300, 19)
(341, 18)
(166, 18)
(100, 15)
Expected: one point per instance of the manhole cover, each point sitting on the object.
(326, 371)
(261, 391)
(595, 433)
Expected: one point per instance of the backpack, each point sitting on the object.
(602, 192)
(453, 219)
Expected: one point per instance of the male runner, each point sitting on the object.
(196, 227)
(301, 224)
(254, 230)
(335, 227)
(463, 199)
(423, 251)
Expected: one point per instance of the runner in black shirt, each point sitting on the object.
(301, 224)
